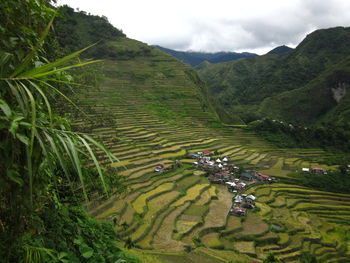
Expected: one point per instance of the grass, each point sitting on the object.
(283, 239)
(264, 209)
(253, 225)
(212, 240)
(196, 210)
(140, 203)
(185, 182)
(212, 192)
(154, 206)
(184, 226)
(163, 237)
(191, 194)
(245, 247)
(234, 224)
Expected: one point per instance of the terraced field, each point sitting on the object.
(155, 114)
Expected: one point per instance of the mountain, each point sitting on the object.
(249, 87)
(77, 30)
(280, 50)
(153, 113)
(195, 58)
(325, 98)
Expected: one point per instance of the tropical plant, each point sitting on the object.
(34, 141)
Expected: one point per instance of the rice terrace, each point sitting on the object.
(164, 156)
(164, 213)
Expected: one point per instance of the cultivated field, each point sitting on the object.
(170, 212)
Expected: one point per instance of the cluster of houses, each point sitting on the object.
(220, 171)
(242, 202)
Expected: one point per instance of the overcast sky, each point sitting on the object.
(219, 25)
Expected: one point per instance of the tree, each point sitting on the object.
(271, 259)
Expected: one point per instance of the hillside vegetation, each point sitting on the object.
(286, 86)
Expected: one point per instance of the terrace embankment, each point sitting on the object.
(151, 110)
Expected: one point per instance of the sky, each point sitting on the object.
(219, 25)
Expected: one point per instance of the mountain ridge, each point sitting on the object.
(193, 58)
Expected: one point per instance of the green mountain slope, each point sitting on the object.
(323, 99)
(156, 82)
(159, 83)
(241, 86)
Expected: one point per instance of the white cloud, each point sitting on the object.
(221, 25)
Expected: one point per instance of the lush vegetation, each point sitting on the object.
(76, 30)
(283, 134)
(43, 180)
(337, 181)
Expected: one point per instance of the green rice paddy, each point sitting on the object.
(165, 212)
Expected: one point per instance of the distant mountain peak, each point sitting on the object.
(194, 58)
(280, 50)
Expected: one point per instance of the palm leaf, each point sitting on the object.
(48, 106)
(43, 70)
(76, 162)
(87, 146)
(102, 147)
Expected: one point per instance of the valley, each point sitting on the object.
(113, 151)
(165, 213)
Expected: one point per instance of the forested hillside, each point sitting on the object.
(77, 30)
(253, 88)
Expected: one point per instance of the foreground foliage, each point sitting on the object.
(67, 234)
(41, 159)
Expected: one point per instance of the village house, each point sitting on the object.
(239, 187)
(206, 153)
(238, 200)
(238, 211)
(265, 178)
(250, 199)
(248, 176)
